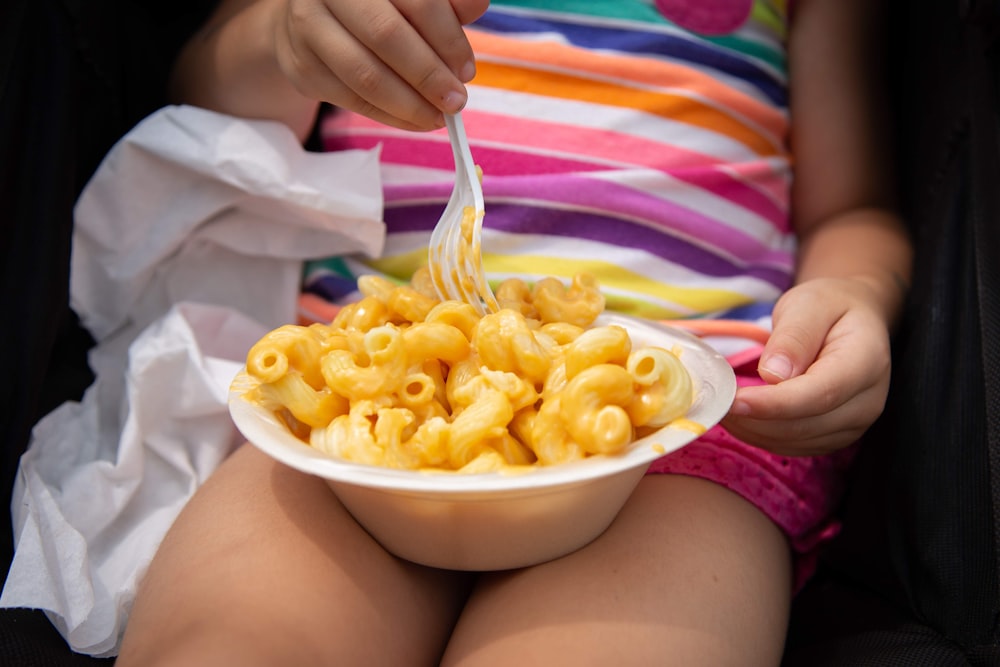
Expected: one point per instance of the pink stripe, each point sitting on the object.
(753, 186)
(584, 142)
(498, 162)
(436, 155)
(768, 201)
(603, 145)
(763, 177)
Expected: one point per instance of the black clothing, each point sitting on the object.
(914, 578)
(75, 76)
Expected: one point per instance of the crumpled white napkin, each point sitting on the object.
(188, 246)
(188, 189)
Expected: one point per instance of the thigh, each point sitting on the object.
(688, 573)
(265, 566)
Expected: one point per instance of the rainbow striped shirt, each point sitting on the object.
(613, 142)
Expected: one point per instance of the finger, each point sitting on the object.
(818, 445)
(822, 445)
(440, 25)
(349, 100)
(388, 33)
(315, 80)
(808, 395)
(326, 62)
(468, 11)
(799, 330)
(827, 431)
(833, 379)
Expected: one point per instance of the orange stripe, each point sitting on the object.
(674, 107)
(733, 328)
(640, 71)
(313, 309)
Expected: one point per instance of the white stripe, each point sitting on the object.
(721, 210)
(630, 122)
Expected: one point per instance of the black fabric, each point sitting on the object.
(986, 226)
(913, 578)
(75, 76)
(27, 639)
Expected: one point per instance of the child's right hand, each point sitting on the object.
(400, 62)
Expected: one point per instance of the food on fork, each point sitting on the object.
(404, 380)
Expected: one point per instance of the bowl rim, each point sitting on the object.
(715, 389)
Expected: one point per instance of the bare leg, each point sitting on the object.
(688, 574)
(264, 566)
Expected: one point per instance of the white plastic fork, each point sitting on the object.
(455, 257)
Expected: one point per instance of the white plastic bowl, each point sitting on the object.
(496, 521)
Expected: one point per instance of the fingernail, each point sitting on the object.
(740, 408)
(467, 72)
(778, 366)
(453, 101)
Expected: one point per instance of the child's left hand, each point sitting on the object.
(826, 366)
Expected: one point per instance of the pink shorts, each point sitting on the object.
(799, 494)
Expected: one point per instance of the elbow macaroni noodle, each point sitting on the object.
(404, 380)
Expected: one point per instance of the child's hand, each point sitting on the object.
(401, 62)
(827, 367)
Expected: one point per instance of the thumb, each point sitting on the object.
(796, 339)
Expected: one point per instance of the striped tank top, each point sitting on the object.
(613, 141)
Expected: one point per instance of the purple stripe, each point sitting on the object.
(508, 162)
(520, 219)
(635, 41)
(664, 217)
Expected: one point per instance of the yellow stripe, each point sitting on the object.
(615, 277)
(773, 15)
(695, 300)
(401, 266)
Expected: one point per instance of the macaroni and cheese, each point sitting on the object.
(405, 380)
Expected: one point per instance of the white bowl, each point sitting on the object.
(498, 520)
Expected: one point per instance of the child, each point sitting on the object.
(647, 144)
